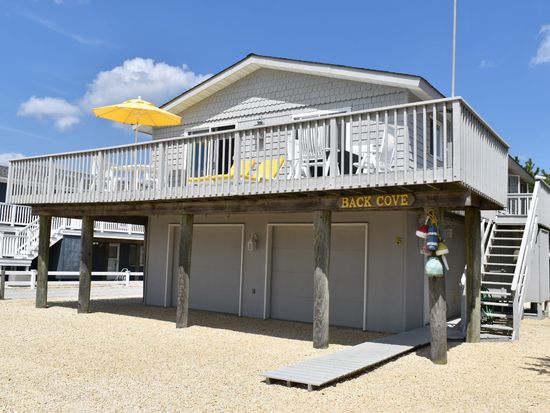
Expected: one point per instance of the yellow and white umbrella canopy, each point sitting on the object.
(137, 112)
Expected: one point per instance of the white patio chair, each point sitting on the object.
(379, 157)
(306, 151)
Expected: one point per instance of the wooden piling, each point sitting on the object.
(438, 311)
(321, 255)
(45, 227)
(184, 270)
(85, 278)
(2, 283)
(473, 274)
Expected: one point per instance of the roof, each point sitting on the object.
(416, 84)
(514, 168)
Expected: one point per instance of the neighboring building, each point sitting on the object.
(116, 246)
(267, 147)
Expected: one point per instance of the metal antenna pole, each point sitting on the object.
(454, 51)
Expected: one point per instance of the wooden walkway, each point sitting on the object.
(320, 371)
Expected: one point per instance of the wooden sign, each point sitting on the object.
(376, 201)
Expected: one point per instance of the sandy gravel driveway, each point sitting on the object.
(126, 357)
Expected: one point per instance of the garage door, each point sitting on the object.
(215, 268)
(292, 274)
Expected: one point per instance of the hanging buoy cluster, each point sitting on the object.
(434, 247)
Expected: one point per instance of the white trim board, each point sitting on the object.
(268, 261)
(169, 246)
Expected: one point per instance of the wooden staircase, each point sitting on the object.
(498, 269)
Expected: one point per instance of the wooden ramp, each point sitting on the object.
(320, 371)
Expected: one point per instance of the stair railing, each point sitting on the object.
(524, 258)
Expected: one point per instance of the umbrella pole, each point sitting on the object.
(137, 130)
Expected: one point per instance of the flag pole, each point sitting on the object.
(454, 51)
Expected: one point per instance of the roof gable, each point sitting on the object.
(415, 84)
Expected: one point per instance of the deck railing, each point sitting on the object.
(518, 204)
(538, 214)
(15, 214)
(428, 142)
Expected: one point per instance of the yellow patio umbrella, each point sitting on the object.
(138, 112)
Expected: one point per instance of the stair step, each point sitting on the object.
(509, 230)
(497, 273)
(497, 327)
(499, 293)
(504, 264)
(504, 246)
(501, 316)
(506, 239)
(502, 255)
(495, 283)
(497, 304)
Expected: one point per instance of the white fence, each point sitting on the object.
(427, 142)
(15, 214)
(122, 277)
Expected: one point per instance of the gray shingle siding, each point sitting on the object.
(274, 95)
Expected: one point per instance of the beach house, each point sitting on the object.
(293, 190)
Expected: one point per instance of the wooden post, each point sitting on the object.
(473, 274)
(438, 313)
(2, 283)
(45, 227)
(321, 256)
(184, 270)
(85, 278)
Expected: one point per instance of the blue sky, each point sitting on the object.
(59, 58)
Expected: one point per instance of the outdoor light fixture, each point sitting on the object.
(252, 243)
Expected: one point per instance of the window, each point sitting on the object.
(436, 141)
(136, 258)
(513, 184)
(208, 129)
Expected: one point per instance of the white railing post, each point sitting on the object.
(456, 143)
(127, 278)
(160, 184)
(33, 279)
(237, 160)
(13, 215)
(333, 154)
(50, 179)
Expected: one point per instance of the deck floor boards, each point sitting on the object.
(322, 370)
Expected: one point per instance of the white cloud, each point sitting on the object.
(63, 113)
(7, 156)
(156, 82)
(543, 52)
(486, 64)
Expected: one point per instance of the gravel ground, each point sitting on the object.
(126, 357)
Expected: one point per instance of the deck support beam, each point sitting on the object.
(321, 256)
(85, 278)
(473, 274)
(44, 233)
(184, 270)
(438, 312)
(2, 282)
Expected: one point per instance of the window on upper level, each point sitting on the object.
(435, 141)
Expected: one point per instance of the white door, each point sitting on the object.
(216, 254)
(113, 257)
(292, 274)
